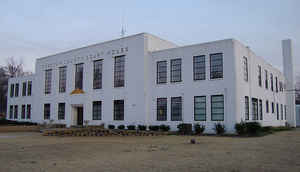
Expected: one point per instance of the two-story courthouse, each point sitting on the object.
(143, 79)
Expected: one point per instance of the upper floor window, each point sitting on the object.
(200, 108)
(29, 88)
(217, 108)
(119, 73)
(176, 109)
(199, 67)
(161, 76)
(47, 111)
(97, 81)
(48, 78)
(216, 66)
(12, 90)
(259, 76)
(17, 90)
(276, 84)
(119, 110)
(280, 86)
(79, 76)
(97, 110)
(245, 63)
(24, 89)
(272, 84)
(246, 108)
(266, 80)
(61, 111)
(161, 109)
(175, 70)
(62, 79)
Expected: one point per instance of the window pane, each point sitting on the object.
(217, 108)
(161, 109)
(12, 90)
(246, 108)
(216, 66)
(16, 112)
(29, 89)
(11, 111)
(161, 72)
(79, 76)
(97, 110)
(245, 68)
(118, 109)
(200, 108)
(97, 83)
(23, 111)
(176, 109)
(24, 89)
(61, 111)
(17, 90)
(119, 71)
(46, 111)
(199, 67)
(62, 79)
(254, 109)
(48, 77)
(28, 111)
(175, 70)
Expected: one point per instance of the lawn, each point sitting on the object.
(29, 151)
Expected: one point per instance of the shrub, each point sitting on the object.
(164, 127)
(253, 128)
(131, 127)
(219, 129)
(185, 128)
(154, 127)
(241, 128)
(111, 127)
(121, 127)
(142, 127)
(199, 129)
(10, 122)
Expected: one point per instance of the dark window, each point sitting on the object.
(11, 111)
(276, 84)
(23, 111)
(61, 111)
(175, 70)
(48, 78)
(119, 73)
(161, 72)
(17, 90)
(272, 84)
(266, 80)
(12, 90)
(246, 108)
(16, 112)
(267, 107)
(216, 66)
(280, 86)
(245, 61)
(97, 82)
(277, 109)
(281, 108)
(284, 112)
(46, 111)
(176, 109)
(273, 107)
(161, 109)
(24, 89)
(29, 88)
(200, 108)
(199, 67)
(260, 110)
(119, 110)
(62, 79)
(259, 76)
(97, 108)
(217, 108)
(254, 109)
(79, 76)
(28, 111)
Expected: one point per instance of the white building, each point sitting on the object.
(142, 79)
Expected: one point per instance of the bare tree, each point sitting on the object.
(14, 68)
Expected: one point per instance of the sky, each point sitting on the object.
(34, 28)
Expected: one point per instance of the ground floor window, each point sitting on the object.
(217, 108)
(284, 112)
(97, 110)
(281, 108)
(176, 109)
(273, 107)
(199, 108)
(119, 110)
(277, 110)
(28, 111)
(260, 110)
(23, 111)
(61, 111)
(267, 107)
(161, 109)
(254, 109)
(16, 112)
(11, 111)
(47, 111)
(246, 108)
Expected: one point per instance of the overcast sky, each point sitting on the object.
(36, 28)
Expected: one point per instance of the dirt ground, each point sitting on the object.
(32, 152)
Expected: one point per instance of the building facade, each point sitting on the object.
(142, 79)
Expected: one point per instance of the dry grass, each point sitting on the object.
(6, 128)
(33, 152)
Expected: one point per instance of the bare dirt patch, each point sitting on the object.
(33, 152)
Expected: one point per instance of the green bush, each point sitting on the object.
(142, 127)
(199, 129)
(154, 127)
(164, 127)
(219, 129)
(185, 128)
(131, 127)
(111, 127)
(241, 128)
(253, 128)
(121, 127)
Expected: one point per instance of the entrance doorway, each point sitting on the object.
(79, 115)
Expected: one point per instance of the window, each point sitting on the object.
(61, 111)
(29, 88)
(62, 79)
(161, 109)
(79, 76)
(17, 90)
(24, 89)
(266, 80)
(161, 76)
(175, 70)
(276, 84)
(216, 66)
(12, 89)
(280, 86)
(260, 110)
(267, 106)
(284, 112)
(11, 111)
(48, 78)
(246, 108)
(217, 108)
(277, 109)
(23, 111)
(273, 107)
(28, 111)
(259, 76)
(200, 108)
(97, 110)
(16, 112)
(245, 63)
(176, 109)
(281, 108)
(199, 67)
(97, 82)
(272, 84)
(46, 111)
(254, 109)
(119, 110)
(119, 73)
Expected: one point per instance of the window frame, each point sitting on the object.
(121, 110)
(200, 67)
(97, 73)
(17, 88)
(97, 115)
(29, 88)
(62, 81)
(79, 75)
(172, 79)
(211, 103)
(48, 81)
(158, 72)
(28, 111)
(205, 114)
(266, 80)
(164, 109)
(247, 108)
(173, 109)
(61, 111)
(12, 90)
(267, 106)
(119, 72)
(24, 89)
(246, 70)
(47, 112)
(259, 76)
(16, 113)
(211, 66)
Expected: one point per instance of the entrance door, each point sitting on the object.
(79, 115)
